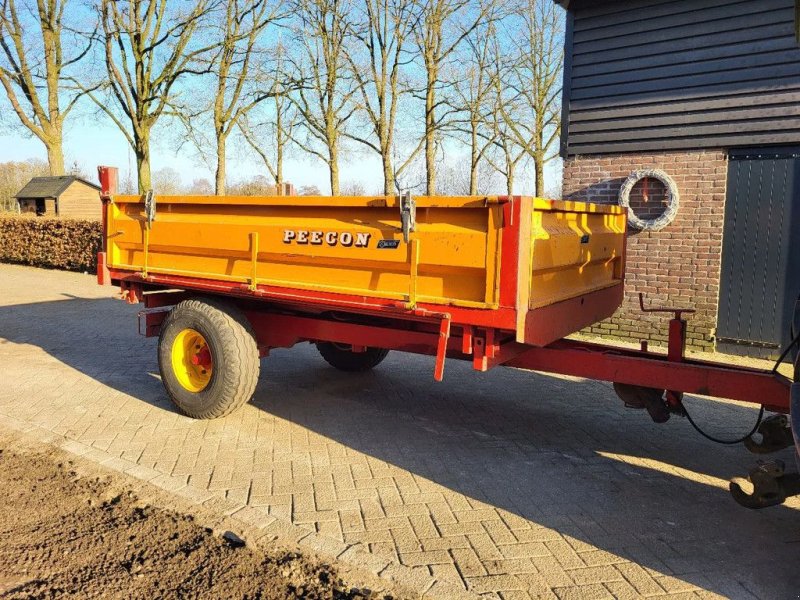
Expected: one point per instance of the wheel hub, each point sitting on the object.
(192, 362)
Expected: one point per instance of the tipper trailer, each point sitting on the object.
(494, 280)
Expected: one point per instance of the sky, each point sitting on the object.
(91, 139)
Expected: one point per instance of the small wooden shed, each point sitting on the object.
(60, 196)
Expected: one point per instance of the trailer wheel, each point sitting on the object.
(342, 357)
(208, 358)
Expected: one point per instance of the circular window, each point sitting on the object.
(651, 197)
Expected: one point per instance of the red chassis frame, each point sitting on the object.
(282, 323)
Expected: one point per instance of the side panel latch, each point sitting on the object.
(150, 207)
(408, 214)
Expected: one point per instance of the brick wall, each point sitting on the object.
(677, 266)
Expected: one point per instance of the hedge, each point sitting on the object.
(70, 244)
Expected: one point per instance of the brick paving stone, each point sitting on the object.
(468, 563)
(565, 555)
(467, 480)
(499, 532)
(418, 581)
(622, 590)
(447, 572)
(552, 572)
(674, 585)
(528, 549)
(445, 590)
(640, 579)
(494, 583)
(445, 543)
(356, 554)
(537, 534)
(433, 557)
(595, 575)
(405, 540)
(511, 565)
(584, 592)
(536, 583)
(485, 547)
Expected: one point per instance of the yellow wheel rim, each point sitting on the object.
(191, 360)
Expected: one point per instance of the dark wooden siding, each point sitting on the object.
(647, 75)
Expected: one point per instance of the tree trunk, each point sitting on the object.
(279, 142)
(510, 181)
(219, 180)
(388, 174)
(538, 164)
(333, 166)
(142, 152)
(473, 165)
(430, 141)
(55, 154)
(279, 170)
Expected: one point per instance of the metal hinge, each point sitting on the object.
(150, 207)
(408, 214)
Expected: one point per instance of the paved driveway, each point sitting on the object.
(509, 484)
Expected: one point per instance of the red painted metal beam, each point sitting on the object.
(501, 318)
(608, 363)
(283, 331)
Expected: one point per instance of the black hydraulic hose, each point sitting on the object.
(788, 349)
(721, 441)
(795, 337)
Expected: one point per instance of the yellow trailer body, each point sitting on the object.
(485, 253)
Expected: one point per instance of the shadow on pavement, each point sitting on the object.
(561, 453)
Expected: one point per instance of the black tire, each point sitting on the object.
(343, 358)
(234, 355)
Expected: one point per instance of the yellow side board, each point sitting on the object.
(574, 249)
(354, 245)
(340, 245)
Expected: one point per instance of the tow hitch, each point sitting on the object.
(769, 484)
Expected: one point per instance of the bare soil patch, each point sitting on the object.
(67, 535)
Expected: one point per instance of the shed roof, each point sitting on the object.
(50, 187)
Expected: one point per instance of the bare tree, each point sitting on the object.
(256, 186)
(235, 67)
(443, 27)
(201, 187)
(506, 153)
(324, 101)
(270, 136)
(34, 70)
(377, 64)
(167, 180)
(473, 89)
(149, 46)
(13, 176)
(532, 112)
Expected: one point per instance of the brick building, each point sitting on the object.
(707, 93)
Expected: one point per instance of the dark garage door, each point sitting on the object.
(760, 251)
